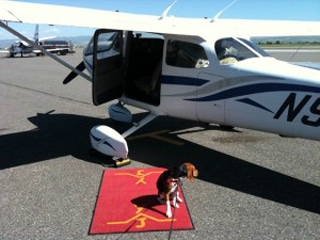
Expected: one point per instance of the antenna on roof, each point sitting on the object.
(165, 12)
(223, 10)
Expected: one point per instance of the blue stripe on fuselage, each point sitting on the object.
(182, 80)
(256, 88)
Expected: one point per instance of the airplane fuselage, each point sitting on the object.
(274, 102)
(238, 86)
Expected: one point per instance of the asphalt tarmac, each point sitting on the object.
(252, 185)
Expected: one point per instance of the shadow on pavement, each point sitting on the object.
(58, 135)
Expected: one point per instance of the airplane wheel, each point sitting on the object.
(93, 152)
(225, 127)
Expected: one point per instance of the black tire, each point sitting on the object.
(225, 127)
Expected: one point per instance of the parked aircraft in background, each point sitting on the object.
(51, 44)
(205, 70)
(22, 48)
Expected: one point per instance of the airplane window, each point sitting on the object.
(186, 55)
(230, 50)
(107, 41)
(108, 44)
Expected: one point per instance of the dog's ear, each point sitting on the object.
(195, 172)
(192, 172)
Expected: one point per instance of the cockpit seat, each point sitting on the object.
(148, 84)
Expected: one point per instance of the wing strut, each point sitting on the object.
(44, 51)
(139, 125)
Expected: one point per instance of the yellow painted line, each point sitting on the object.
(138, 175)
(141, 216)
(156, 135)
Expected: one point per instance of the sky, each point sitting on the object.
(301, 10)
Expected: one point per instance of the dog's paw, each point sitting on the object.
(179, 200)
(169, 214)
(176, 205)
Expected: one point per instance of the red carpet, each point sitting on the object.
(127, 202)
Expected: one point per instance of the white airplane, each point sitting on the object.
(21, 47)
(205, 70)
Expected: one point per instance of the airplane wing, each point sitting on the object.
(269, 28)
(76, 17)
(93, 18)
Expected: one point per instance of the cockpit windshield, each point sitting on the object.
(231, 50)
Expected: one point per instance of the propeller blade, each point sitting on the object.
(72, 75)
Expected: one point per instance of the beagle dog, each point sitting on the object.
(168, 182)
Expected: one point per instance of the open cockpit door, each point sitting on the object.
(108, 66)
